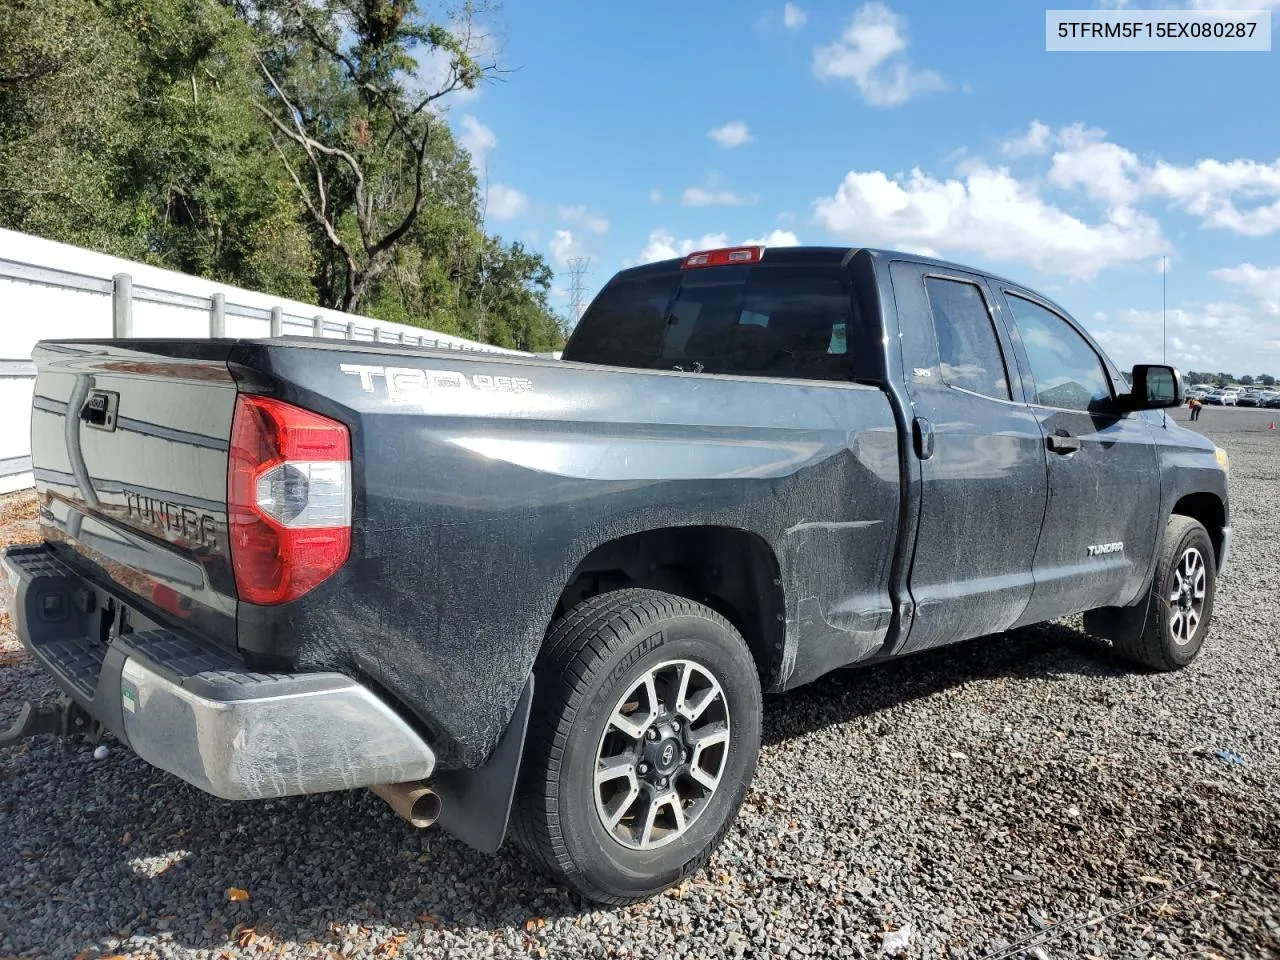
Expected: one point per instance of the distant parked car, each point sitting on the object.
(1272, 400)
(1250, 398)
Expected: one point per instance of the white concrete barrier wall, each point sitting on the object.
(52, 290)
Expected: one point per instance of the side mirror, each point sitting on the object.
(1155, 386)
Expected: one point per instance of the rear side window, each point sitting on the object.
(1067, 372)
(780, 320)
(968, 351)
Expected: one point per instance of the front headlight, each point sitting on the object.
(1223, 461)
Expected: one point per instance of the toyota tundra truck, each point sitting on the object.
(541, 598)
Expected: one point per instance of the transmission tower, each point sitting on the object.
(577, 288)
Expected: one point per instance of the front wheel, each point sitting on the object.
(1181, 602)
(642, 742)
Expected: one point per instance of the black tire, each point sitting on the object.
(1158, 646)
(594, 655)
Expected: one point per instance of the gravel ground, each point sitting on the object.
(1014, 787)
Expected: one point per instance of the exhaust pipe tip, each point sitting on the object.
(414, 801)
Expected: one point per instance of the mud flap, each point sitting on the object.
(1119, 624)
(475, 805)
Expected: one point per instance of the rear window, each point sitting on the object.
(782, 320)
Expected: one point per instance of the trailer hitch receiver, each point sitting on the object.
(62, 718)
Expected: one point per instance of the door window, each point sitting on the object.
(1067, 372)
(968, 352)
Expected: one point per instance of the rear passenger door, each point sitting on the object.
(1104, 485)
(979, 447)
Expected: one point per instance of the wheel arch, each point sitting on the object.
(733, 571)
(1209, 510)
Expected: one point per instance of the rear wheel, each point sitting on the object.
(1181, 602)
(643, 740)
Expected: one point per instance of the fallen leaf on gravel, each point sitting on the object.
(534, 923)
(429, 919)
(237, 895)
(127, 838)
(1157, 880)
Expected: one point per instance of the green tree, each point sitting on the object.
(289, 146)
(353, 122)
(126, 126)
(67, 93)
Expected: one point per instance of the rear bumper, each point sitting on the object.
(192, 709)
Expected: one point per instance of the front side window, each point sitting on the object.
(1067, 371)
(969, 354)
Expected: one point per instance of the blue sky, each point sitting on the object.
(628, 132)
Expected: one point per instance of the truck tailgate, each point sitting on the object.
(129, 448)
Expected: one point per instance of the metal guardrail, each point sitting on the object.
(17, 370)
(124, 293)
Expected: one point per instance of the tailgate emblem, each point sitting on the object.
(100, 409)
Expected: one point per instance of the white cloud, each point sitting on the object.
(1210, 189)
(774, 238)
(1241, 196)
(1201, 336)
(733, 134)
(1032, 143)
(1263, 284)
(871, 53)
(565, 245)
(793, 17)
(704, 197)
(655, 195)
(1108, 172)
(504, 203)
(989, 213)
(663, 245)
(477, 139)
(587, 219)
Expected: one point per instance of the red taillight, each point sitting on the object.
(288, 499)
(720, 258)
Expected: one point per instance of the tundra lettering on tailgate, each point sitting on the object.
(190, 525)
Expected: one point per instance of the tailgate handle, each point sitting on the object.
(99, 409)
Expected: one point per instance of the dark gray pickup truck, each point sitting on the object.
(543, 597)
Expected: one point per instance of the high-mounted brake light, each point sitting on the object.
(723, 257)
(288, 499)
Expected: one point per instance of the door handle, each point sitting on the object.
(922, 433)
(1063, 443)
